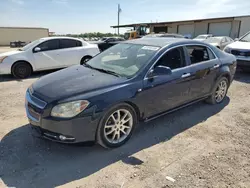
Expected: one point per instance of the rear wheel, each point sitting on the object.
(21, 70)
(85, 59)
(219, 91)
(116, 127)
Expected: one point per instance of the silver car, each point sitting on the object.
(220, 42)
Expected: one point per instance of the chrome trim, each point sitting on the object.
(29, 99)
(181, 45)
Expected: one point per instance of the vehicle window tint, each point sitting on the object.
(69, 43)
(49, 45)
(199, 54)
(173, 59)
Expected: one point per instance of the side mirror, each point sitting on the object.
(159, 71)
(37, 49)
(236, 39)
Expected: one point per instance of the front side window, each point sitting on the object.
(199, 54)
(173, 59)
(69, 43)
(124, 59)
(49, 45)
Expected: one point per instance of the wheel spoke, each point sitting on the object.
(118, 136)
(124, 116)
(118, 115)
(109, 132)
(113, 137)
(109, 126)
(113, 118)
(123, 132)
(126, 127)
(125, 121)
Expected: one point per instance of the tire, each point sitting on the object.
(108, 127)
(218, 90)
(85, 59)
(21, 70)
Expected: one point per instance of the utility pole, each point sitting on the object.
(119, 11)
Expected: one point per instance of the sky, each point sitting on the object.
(80, 16)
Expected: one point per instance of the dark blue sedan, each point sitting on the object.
(138, 80)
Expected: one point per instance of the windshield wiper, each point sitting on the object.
(108, 72)
(102, 70)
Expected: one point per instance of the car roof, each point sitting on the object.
(161, 41)
(49, 38)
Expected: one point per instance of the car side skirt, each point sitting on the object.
(175, 109)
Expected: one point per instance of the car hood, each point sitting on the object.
(214, 43)
(73, 81)
(10, 53)
(240, 45)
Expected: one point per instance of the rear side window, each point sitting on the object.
(49, 45)
(199, 54)
(69, 43)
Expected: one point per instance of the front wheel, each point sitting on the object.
(116, 126)
(219, 91)
(21, 70)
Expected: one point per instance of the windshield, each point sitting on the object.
(201, 37)
(213, 40)
(28, 46)
(123, 59)
(246, 38)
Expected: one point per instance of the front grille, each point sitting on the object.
(34, 112)
(34, 107)
(240, 52)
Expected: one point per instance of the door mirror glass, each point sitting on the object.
(236, 39)
(37, 49)
(159, 71)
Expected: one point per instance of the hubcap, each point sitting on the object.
(221, 91)
(118, 126)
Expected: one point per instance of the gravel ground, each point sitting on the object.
(199, 146)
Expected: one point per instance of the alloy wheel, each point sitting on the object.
(118, 126)
(221, 91)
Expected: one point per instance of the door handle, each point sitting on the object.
(216, 66)
(185, 75)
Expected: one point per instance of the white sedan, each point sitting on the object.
(46, 53)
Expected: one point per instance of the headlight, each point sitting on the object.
(2, 58)
(70, 109)
(227, 49)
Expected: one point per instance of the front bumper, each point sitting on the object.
(243, 61)
(75, 130)
(5, 68)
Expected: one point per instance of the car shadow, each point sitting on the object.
(27, 161)
(7, 78)
(242, 76)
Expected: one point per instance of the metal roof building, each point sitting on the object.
(224, 26)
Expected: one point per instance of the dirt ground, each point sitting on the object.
(199, 146)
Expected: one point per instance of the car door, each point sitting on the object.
(70, 52)
(162, 93)
(204, 66)
(46, 55)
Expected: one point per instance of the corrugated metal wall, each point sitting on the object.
(23, 34)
